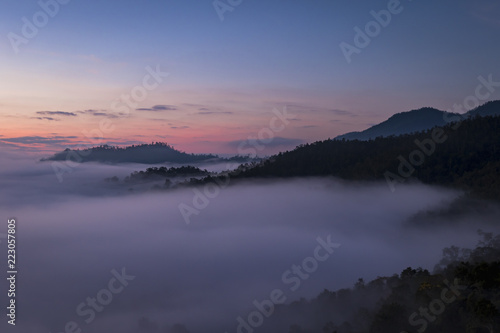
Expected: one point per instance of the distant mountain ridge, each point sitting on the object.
(153, 153)
(488, 109)
(417, 121)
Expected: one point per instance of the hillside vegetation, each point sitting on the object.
(464, 155)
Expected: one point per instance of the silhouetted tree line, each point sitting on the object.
(157, 152)
(155, 173)
(468, 159)
(154, 153)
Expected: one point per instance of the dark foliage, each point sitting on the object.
(468, 158)
(155, 173)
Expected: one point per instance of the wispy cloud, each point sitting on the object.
(341, 112)
(308, 109)
(192, 105)
(45, 118)
(57, 113)
(214, 112)
(99, 113)
(159, 108)
(39, 139)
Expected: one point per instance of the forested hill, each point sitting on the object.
(153, 153)
(403, 123)
(464, 154)
(419, 120)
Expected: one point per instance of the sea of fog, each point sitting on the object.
(94, 259)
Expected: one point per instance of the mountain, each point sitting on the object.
(146, 153)
(417, 121)
(464, 155)
(489, 109)
(401, 123)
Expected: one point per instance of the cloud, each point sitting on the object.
(164, 108)
(207, 274)
(199, 106)
(45, 118)
(57, 113)
(39, 139)
(164, 136)
(215, 112)
(341, 112)
(158, 119)
(295, 108)
(179, 127)
(309, 126)
(99, 113)
(89, 111)
(159, 108)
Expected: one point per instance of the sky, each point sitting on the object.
(204, 75)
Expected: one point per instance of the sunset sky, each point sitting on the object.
(227, 76)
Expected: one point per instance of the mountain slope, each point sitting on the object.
(417, 121)
(489, 109)
(467, 156)
(402, 123)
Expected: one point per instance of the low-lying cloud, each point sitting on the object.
(201, 277)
